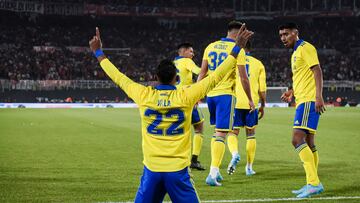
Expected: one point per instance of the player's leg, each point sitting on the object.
(224, 121)
(232, 140)
(306, 120)
(251, 123)
(152, 188)
(310, 140)
(197, 120)
(180, 186)
(250, 151)
(211, 101)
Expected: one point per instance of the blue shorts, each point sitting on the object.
(197, 116)
(243, 118)
(221, 110)
(306, 117)
(154, 186)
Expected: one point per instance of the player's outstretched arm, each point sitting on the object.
(131, 88)
(200, 89)
(319, 104)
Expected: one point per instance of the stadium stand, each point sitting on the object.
(49, 45)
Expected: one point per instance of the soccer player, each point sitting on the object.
(307, 90)
(221, 100)
(185, 67)
(165, 118)
(243, 117)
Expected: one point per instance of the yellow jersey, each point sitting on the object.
(215, 53)
(185, 68)
(166, 115)
(302, 59)
(257, 77)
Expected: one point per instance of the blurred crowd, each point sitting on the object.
(151, 40)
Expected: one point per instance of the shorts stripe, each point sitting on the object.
(193, 184)
(232, 112)
(306, 114)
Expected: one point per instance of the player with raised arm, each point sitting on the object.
(185, 67)
(166, 125)
(221, 100)
(243, 118)
(307, 90)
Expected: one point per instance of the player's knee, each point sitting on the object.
(250, 132)
(235, 132)
(298, 137)
(198, 128)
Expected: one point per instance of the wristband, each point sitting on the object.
(236, 49)
(98, 53)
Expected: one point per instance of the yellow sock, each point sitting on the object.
(232, 143)
(307, 158)
(213, 140)
(316, 156)
(250, 149)
(197, 143)
(217, 151)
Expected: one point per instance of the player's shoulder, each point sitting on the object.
(307, 45)
(254, 59)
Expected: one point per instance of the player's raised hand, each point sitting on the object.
(243, 36)
(287, 96)
(319, 105)
(95, 42)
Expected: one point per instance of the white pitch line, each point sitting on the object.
(267, 199)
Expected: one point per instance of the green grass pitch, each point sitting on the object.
(94, 155)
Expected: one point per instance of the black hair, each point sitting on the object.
(234, 25)
(288, 26)
(166, 71)
(185, 45)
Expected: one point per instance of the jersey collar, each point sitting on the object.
(165, 87)
(179, 57)
(227, 39)
(297, 44)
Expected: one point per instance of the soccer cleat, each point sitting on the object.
(212, 181)
(197, 165)
(311, 190)
(296, 192)
(249, 172)
(219, 177)
(232, 165)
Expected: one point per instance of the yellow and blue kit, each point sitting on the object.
(166, 132)
(185, 68)
(257, 77)
(303, 58)
(221, 100)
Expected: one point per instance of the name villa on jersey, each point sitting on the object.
(163, 103)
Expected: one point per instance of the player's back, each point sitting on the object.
(165, 113)
(185, 68)
(256, 73)
(215, 53)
